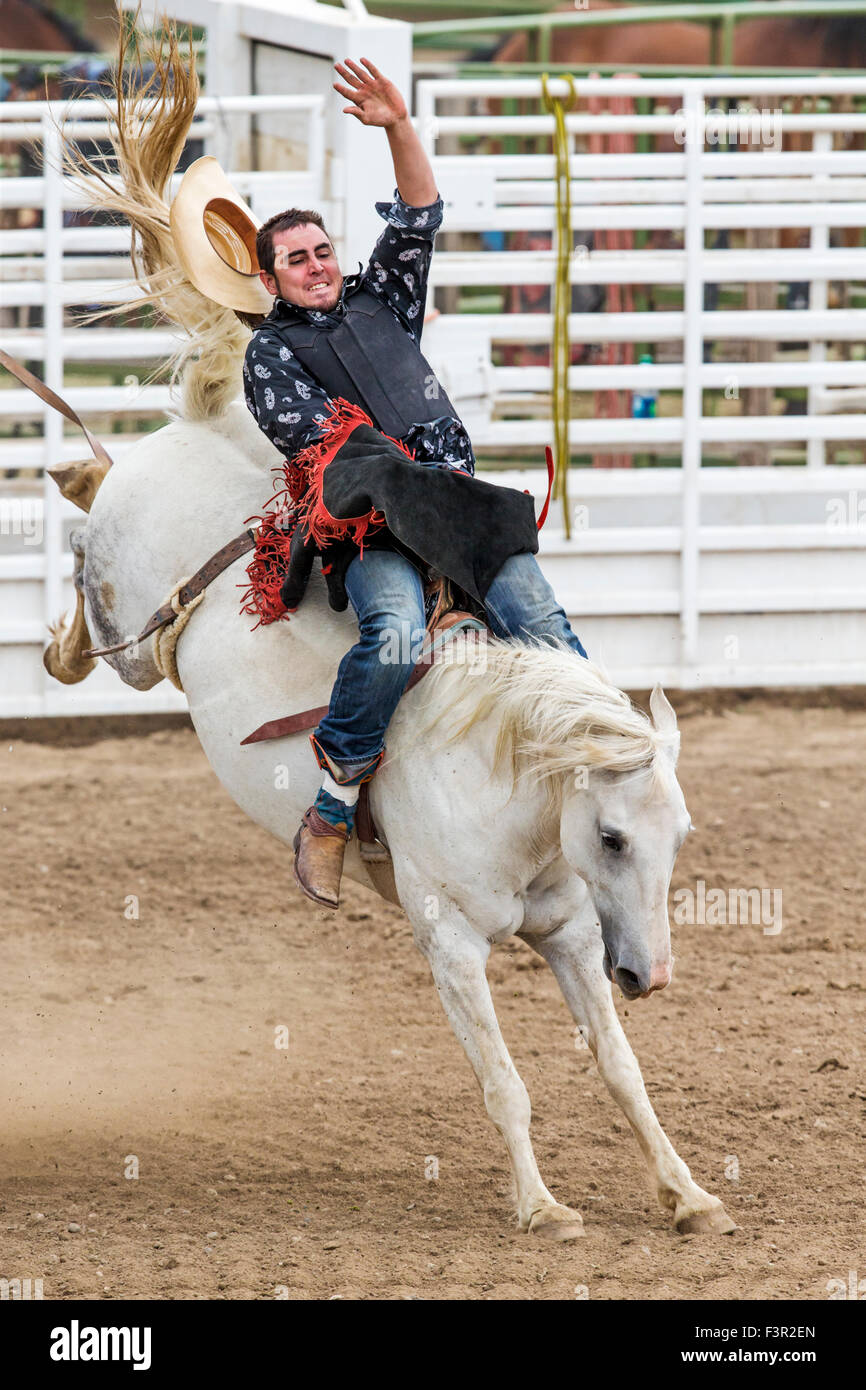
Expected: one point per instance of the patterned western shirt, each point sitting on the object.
(287, 401)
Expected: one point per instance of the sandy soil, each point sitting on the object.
(302, 1169)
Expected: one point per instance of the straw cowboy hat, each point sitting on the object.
(215, 238)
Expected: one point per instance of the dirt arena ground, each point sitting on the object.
(147, 1043)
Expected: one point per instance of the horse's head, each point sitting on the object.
(621, 832)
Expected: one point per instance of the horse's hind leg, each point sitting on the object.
(457, 958)
(574, 954)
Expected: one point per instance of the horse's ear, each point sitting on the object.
(663, 713)
(665, 719)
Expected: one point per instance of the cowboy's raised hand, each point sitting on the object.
(375, 100)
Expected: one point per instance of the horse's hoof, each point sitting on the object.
(557, 1223)
(707, 1223)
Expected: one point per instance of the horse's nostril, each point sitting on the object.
(660, 976)
(628, 982)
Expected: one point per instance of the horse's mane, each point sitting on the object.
(156, 103)
(557, 712)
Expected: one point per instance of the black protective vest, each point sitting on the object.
(370, 360)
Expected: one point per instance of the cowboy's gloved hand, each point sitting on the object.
(302, 551)
(336, 559)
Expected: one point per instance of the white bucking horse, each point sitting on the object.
(521, 793)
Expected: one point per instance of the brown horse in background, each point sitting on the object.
(838, 41)
(28, 25)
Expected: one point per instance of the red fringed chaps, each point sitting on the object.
(298, 498)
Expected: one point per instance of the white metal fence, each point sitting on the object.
(697, 575)
(719, 575)
(690, 191)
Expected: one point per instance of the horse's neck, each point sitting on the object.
(440, 788)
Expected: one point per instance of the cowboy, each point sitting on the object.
(330, 339)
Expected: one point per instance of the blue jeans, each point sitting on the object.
(387, 595)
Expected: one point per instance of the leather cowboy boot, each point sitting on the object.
(319, 849)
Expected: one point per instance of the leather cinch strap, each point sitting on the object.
(309, 718)
(289, 724)
(200, 580)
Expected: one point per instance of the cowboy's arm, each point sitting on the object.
(377, 102)
(400, 264)
(412, 169)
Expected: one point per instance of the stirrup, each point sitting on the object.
(371, 849)
(374, 852)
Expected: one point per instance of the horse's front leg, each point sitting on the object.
(574, 953)
(458, 957)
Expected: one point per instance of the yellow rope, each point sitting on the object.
(165, 638)
(560, 347)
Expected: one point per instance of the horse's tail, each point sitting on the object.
(156, 104)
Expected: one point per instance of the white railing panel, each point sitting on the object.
(670, 562)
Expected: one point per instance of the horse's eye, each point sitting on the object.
(611, 842)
